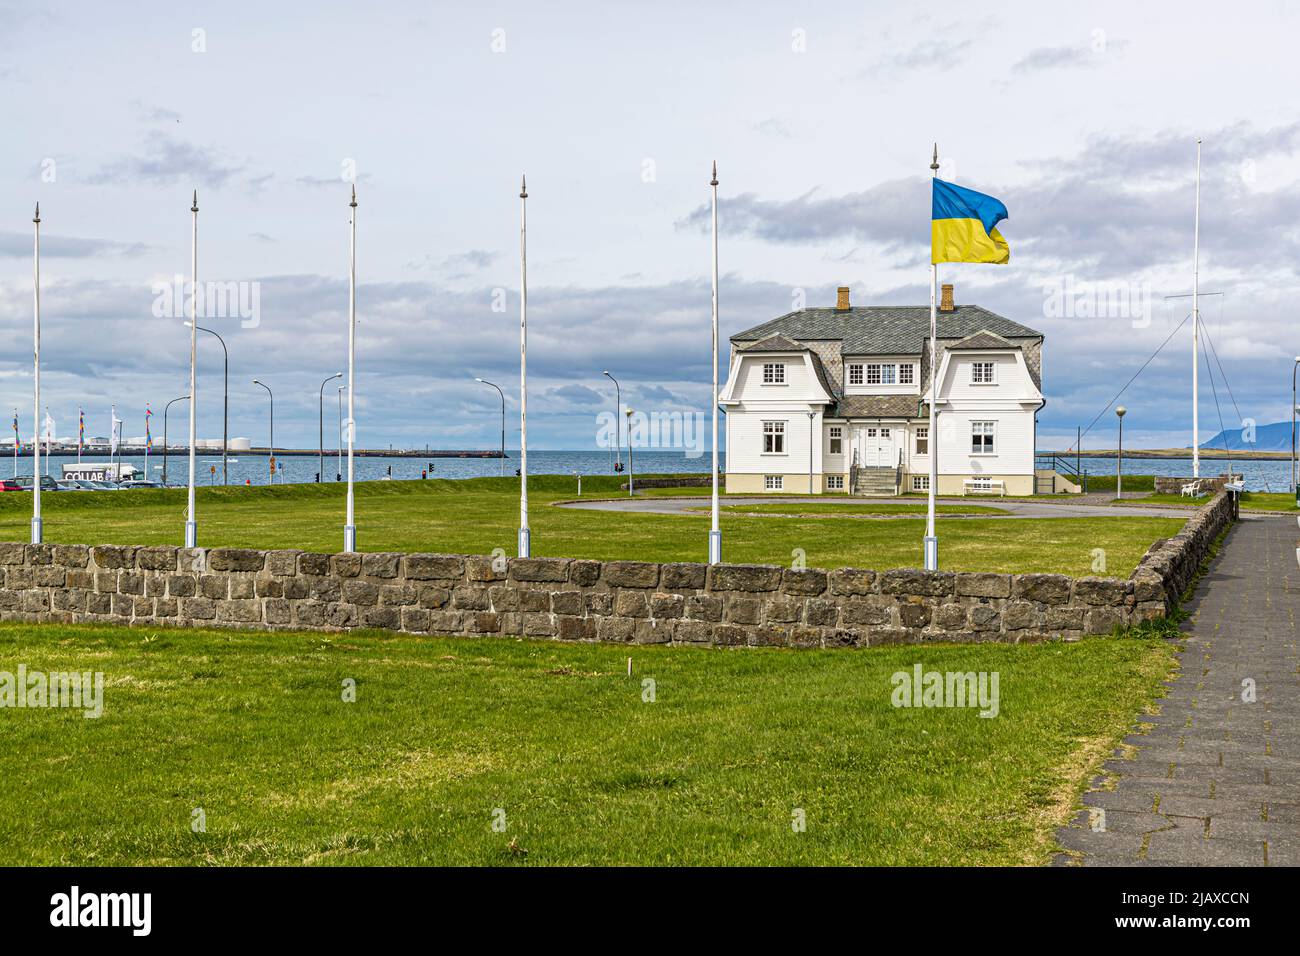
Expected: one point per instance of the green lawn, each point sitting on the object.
(482, 514)
(251, 728)
(1250, 501)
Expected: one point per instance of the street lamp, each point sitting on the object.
(629, 453)
(320, 465)
(618, 401)
(1119, 466)
(483, 381)
(225, 405)
(811, 415)
(165, 407)
(270, 448)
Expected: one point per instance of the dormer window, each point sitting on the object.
(906, 373)
(773, 373)
(855, 374)
(981, 373)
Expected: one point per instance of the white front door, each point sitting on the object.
(876, 446)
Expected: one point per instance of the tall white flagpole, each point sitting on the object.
(37, 527)
(525, 535)
(1196, 322)
(191, 518)
(350, 528)
(931, 538)
(715, 532)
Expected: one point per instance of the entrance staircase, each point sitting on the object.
(875, 481)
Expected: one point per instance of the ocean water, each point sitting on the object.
(1271, 475)
(1258, 475)
(303, 468)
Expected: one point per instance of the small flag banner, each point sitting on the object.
(148, 435)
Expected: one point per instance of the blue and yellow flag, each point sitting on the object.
(962, 226)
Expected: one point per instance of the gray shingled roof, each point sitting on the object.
(883, 330)
(876, 406)
(776, 343)
(983, 339)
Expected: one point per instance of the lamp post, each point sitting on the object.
(320, 465)
(483, 381)
(630, 489)
(271, 447)
(1119, 466)
(618, 403)
(225, 403)
(811, 416)
(165, 408)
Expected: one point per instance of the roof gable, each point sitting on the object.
(884, 330)
(983, 339)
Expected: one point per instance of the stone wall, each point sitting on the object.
(572, 599)
(1169, 485)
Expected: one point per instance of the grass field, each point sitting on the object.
(251, 728)
(1250, 500)
(479, 515)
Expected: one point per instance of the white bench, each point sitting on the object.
(984, 486)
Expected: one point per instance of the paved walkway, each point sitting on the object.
(1018, 507)
(1215, 779)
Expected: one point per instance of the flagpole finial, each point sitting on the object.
(523, 187)
(195, 207)
(714, 181)
(934, 162)
(353, 204)
(37, 217)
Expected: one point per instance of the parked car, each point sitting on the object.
(8, 484)
(140, 483)
(70, 484)
(24, 483)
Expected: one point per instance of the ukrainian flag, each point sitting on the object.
(962, 226)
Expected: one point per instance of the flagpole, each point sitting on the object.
(715, 532)
(37, 527)
(525, 534)
(48, 439)
(931, 538)
(350, 528)
(191, 517)
(1196, 322)
(81, 431)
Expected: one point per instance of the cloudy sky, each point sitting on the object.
(1082, 118)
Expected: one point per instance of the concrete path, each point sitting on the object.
(1019, 507)
(1215, 778)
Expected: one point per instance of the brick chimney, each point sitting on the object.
(842, 299)
(945, 300)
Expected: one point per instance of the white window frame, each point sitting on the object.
(906, 373)
(774, 482)
(776, 431)
(834, 482)
(923, 436)
(834, 440)
(856, 375)
(976, 371)
(872, 376)
(984, 429)
(888, 374)
(773, 373)
(920, 482)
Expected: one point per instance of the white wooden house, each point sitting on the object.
(836, 400)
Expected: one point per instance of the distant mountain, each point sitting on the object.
(1275, 437)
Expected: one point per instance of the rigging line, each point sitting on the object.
(1133, 379)
(1214, 389)
(1224, 375)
